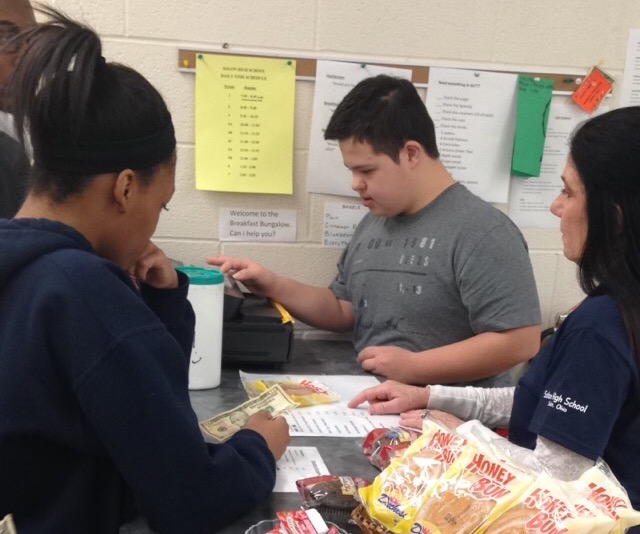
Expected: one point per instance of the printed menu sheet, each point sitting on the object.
(297, 463)
(334, 419)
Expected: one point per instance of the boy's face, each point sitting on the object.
(383, 184)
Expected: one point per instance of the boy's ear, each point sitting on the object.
(413, 150)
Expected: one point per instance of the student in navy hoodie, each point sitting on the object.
(96, 426)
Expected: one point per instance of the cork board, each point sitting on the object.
(306, 69)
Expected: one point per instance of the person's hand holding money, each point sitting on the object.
(275, 431)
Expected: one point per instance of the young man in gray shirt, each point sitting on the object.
(435, 283)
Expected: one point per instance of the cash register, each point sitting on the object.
(255, 330)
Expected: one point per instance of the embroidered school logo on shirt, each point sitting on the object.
(558, 402)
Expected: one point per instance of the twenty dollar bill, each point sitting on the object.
(222, 426)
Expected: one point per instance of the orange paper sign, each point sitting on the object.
(592, 90)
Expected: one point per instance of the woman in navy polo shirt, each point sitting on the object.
(579, 400)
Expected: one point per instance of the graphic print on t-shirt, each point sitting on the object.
(399, 268)
(560, 403)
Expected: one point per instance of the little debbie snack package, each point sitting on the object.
(398, 491)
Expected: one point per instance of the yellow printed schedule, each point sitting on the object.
(244, 124)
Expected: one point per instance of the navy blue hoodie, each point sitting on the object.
(95, 418)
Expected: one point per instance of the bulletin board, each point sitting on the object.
(306, 68)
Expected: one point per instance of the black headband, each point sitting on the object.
(107, 156)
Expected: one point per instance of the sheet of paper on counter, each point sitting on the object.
(297, 463)
(334, 419)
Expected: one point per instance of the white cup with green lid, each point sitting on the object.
(206, 295)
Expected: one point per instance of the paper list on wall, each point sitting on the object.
(326, 172)
(474, 117)
(530, 199)
(244, 124)
(242, 224)
(340, 221)
(630, 91)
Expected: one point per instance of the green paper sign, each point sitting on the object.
(532, 115)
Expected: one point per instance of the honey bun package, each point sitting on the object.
(473, 481)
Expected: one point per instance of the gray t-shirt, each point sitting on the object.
(457, 268)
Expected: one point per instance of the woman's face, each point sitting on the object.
(570, 206)
(151, 199)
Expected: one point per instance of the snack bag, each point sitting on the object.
(331, 491)
(589, 519)
(399, 490)
(382, 445)
(477, 487)
(599, 485)
(370, 443)
(303, 522)
(475, 432)
(543, 508)
(304, 392)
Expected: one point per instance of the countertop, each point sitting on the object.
(343, 456)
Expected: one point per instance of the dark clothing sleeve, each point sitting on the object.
(174, 310)
(181, 483)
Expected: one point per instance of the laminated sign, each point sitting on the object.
(592, 90)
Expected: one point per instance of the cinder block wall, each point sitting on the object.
(544, 34)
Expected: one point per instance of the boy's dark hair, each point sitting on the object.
(384, 112)
(84, 116)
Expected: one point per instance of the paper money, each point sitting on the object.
(7, 526)
(222, 426)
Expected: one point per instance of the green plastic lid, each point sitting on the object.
(198, 276)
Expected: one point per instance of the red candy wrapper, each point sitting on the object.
(382, 445)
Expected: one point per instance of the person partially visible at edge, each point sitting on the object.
(96, 425)
(435, 284)
(15, 16)
(579, 400)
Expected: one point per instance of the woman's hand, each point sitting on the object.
(392, 397)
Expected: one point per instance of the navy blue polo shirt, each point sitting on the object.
(582, 391)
